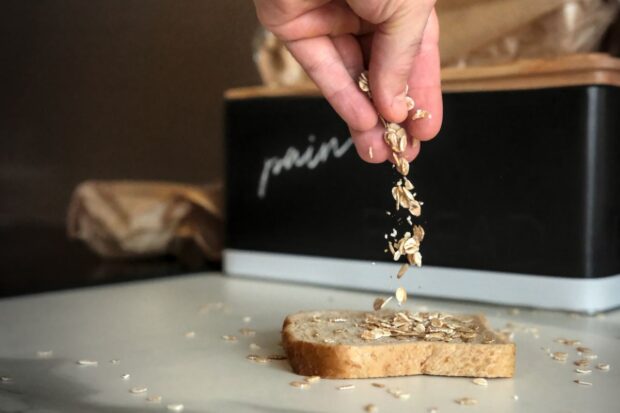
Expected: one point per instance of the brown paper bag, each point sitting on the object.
(136, 219)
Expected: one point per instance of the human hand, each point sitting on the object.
(331, 39)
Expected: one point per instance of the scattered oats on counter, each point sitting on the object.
(582, 363)
(583, 383)
(300, 384)
(125, 376)
(254, 346)
(432, 410)
(257, 359)
(247, 332)
(190, 334)
(6, 379)
(559, 356)
(175, 407)
(247, 319)
(115, 361)
(466, 401)
(379, 385)
(480, 381)
(93, 363)
(154, 399)
(276, 357)
(138, 390)
(229, 338)
(583, 371)
(312, 379)
(603, 366)
(45, 354)
(371, 408)
(211, 307)
(346, 387)
(584, 350)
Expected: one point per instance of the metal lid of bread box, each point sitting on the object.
(521, 190)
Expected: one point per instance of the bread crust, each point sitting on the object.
(401, 358)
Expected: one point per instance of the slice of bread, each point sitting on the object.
(358, 344)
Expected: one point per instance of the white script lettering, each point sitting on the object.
(294, 158)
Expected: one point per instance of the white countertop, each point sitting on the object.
(143, 325)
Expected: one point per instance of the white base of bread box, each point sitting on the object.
(582, 295)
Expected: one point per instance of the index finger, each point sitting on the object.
(321, 60)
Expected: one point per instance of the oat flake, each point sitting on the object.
(88, 363)
(138, 390)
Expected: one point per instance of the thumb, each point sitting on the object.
(399, 33)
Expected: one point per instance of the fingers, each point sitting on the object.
(349, 50)
(425, 84)
(275, 12)
(332, 19)
(396, 42)
(372, 138)
(321, 60)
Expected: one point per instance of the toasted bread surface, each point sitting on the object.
(330, 344)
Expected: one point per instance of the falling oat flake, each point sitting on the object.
(401, 295)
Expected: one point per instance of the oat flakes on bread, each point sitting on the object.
(360, 344)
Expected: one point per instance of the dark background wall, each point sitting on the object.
(110, 89)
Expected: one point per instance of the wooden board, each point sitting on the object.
(571, 70)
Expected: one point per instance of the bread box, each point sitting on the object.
(521, 189)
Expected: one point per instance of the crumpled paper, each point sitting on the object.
(121, 219)
(483, 32)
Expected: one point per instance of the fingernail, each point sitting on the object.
(399, 105)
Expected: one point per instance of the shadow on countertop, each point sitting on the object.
(37, 258)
